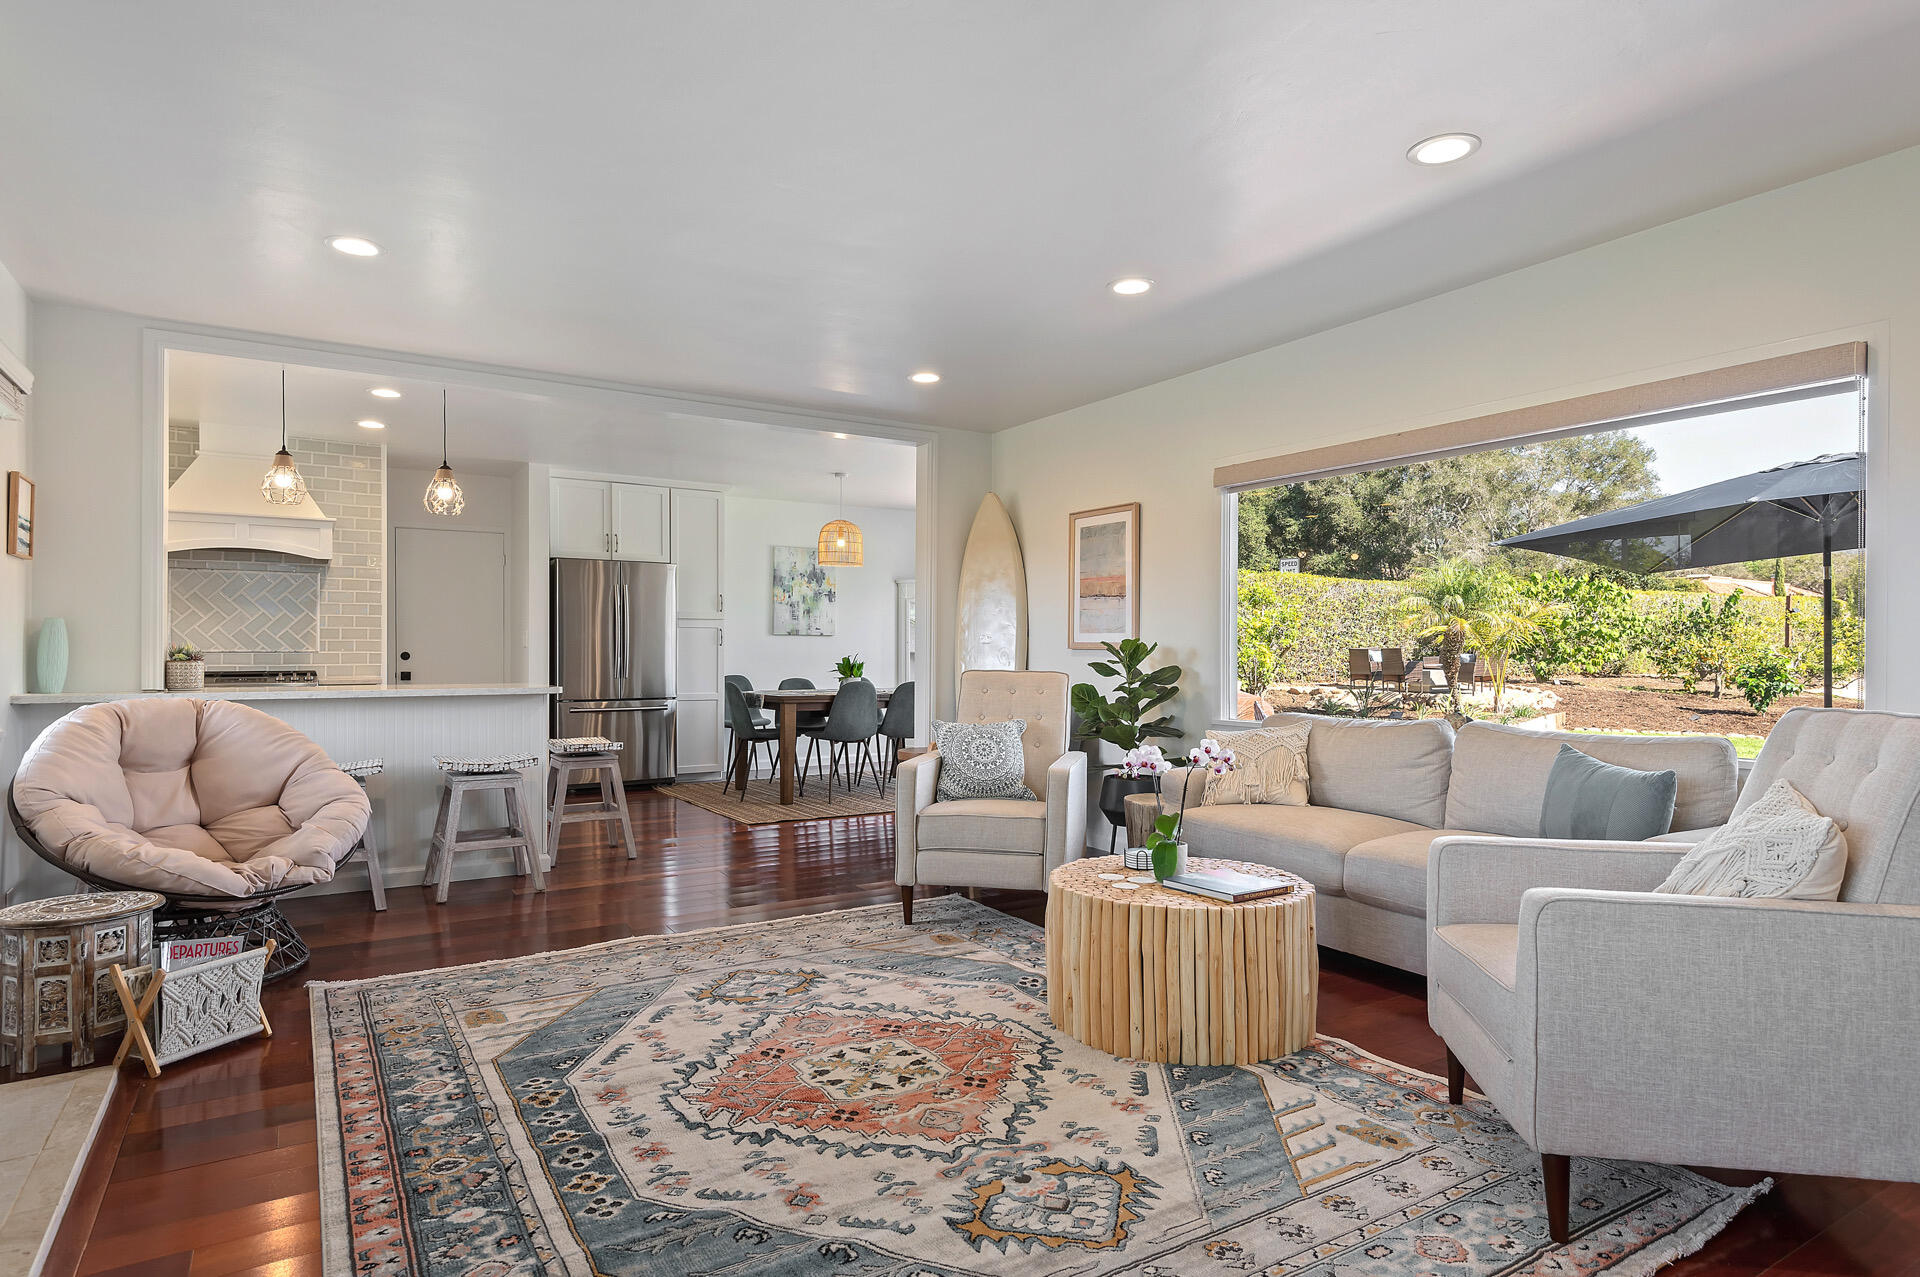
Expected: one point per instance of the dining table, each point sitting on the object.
(787, 705)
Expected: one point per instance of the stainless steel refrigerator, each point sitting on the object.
(613, 659)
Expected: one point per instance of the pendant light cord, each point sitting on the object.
(443, 427)
(283, 410)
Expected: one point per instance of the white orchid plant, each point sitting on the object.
(1163, 844)
(1143, 762)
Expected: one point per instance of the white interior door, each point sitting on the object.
(449, 605)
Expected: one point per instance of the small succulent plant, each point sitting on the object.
(183, 652)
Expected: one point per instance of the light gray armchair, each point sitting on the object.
(1606, 1021)
(996, 842)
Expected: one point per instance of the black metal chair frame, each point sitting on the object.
(192, 917)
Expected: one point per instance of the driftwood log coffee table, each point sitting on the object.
(1139, 970)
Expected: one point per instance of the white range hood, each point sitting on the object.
(216, 503)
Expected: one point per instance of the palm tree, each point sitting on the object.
(1505, 627)
(1448, 602)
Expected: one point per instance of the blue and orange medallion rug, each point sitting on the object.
(844, 1094)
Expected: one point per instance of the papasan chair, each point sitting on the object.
(217, 806)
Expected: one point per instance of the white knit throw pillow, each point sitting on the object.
(1780, 848)
(1270, 767)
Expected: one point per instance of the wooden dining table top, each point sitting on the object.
(809, 697)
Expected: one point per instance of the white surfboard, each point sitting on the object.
(993, 594)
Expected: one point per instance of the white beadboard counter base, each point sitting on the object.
(309, 692)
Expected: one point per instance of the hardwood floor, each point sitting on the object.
(212, 1170)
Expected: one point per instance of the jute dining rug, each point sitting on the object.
(844, 1094)
(763, 806)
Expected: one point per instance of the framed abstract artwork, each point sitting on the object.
(1103, 551)
(804, 593)
(19, 515)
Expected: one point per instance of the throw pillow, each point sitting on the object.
(1779, 848)
(1270, 767)
(1588, 799)
(982, 760)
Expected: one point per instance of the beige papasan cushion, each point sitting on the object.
(190, 797)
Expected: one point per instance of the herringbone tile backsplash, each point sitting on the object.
(246, 609)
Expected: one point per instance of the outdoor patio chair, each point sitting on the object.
(1393, 668)
(1359, 668)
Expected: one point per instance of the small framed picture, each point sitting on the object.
(19, 515)
(1103, 547)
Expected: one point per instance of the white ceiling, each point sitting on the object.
(802, 203)
(492, 431)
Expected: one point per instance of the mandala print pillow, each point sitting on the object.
(982, 760)
(1779, 848)
(1270, 767)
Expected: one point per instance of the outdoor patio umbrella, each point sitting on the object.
(1806, 507)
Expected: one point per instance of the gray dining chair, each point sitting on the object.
(807, 719)
(852, 722)
(896, 728)
(760, 716)
(741, 727)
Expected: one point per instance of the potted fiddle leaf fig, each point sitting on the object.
(1121, 719)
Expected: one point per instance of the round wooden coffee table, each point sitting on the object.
(1139, 970)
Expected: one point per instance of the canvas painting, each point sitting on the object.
(803, 592)
(19, 515)
(1105, 550)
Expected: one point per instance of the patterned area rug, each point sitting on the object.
(763, 806)
(844, 1094)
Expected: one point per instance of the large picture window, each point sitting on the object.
(1670, 576)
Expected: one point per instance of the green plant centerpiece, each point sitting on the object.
(183, 652)
(849, 667)
(1121, 718)
(1163, 844)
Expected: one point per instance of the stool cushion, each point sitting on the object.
(584, 745)
(364, 768)
(190, 797)
(484, 765)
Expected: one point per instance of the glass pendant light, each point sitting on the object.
(443, 491)
(283, 484)
(840, 540)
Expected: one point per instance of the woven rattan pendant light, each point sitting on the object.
(840, 541)
(283, 484)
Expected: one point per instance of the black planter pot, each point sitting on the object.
(1113, 801)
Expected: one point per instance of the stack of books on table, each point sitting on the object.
(1229, 885)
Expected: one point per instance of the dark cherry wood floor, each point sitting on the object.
(213, 1170)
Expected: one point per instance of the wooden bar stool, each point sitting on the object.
(583, 756)
(363, 771)
(508, 774)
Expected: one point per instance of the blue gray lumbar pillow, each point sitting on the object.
(982, 760)
(1589, 799)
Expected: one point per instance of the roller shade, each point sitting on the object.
(1783, 378)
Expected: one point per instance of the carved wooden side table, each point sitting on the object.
(56, 983)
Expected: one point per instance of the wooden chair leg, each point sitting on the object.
(906, 905)
(448, 841)
(1556, 1174)
(618, 794)
(1456, 1078)
(433, 842)
(558, 776)
(376, 873)
(517, 804)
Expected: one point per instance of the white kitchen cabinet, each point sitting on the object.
(577, 521)
(641, 523)
(699, 713)
(698, 515)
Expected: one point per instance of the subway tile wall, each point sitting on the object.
(251, 610)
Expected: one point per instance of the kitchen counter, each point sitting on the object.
(298, 692)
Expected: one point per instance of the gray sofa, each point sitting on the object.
(1381, 791)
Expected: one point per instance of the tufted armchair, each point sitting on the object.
(1606, 1021)
(996, 842)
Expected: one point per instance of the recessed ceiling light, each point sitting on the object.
(371, 424)
(838, 435)
(1443, 148)
(1132, 286)
(354, 246)
(925, 378)
(384, 392)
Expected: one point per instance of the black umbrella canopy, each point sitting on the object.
(1770, 514)
(1806, 507)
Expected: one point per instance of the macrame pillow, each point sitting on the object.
(1270, 767)
(1780, 848)
(982, 760)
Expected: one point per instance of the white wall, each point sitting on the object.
(864, 620)
(493, 505)
(1833, 258)
(16, 647)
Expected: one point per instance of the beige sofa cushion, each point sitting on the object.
(1391, 872)
(984, 824)
(1499, 779)
(1309, 841)
(188, 796)
(1388, 767)
(1477, 963)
